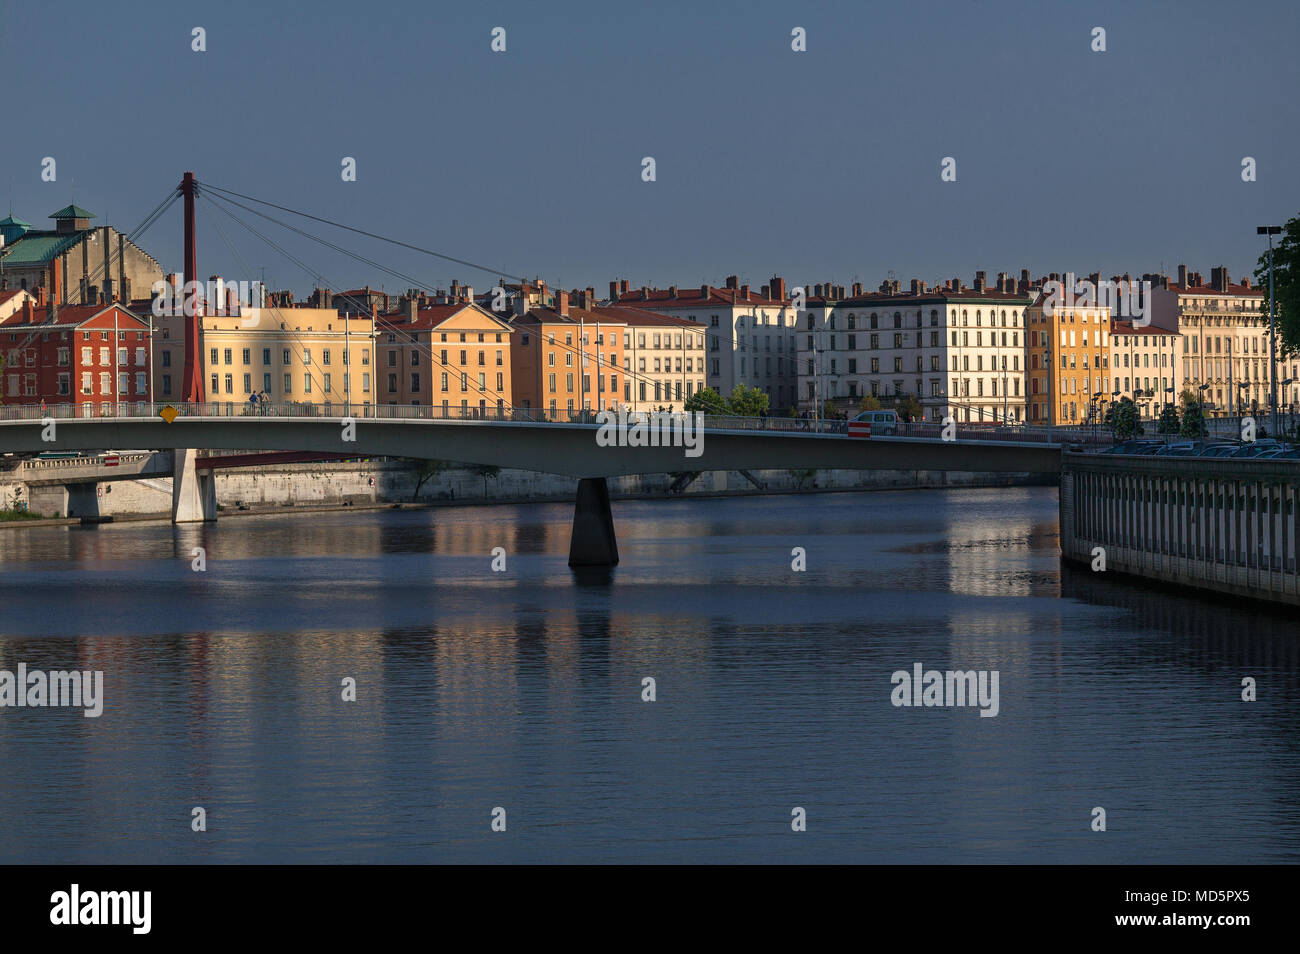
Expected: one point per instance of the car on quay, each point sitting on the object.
(884, 423)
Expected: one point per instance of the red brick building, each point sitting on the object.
(66, 356)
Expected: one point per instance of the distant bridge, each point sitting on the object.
(514, 440)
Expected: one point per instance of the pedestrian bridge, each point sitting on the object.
(515, 439)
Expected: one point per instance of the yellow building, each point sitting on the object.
(289, 355)
(1068, 352)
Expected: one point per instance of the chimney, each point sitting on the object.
(29, 313)
(624, 287)
(1245, 281)
(704, 291)
(411, 308)
(1182, 275)
(979, 281)
(778, 288)
(744, 292)
(613, 291)
(562, 304)
(56, 286)
(1219, 278)
(766, 292)
(645, 293)
(857, 289)
(733, 282)
(672, 291)
(916, 286)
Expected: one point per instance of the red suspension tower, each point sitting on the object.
(192, 381)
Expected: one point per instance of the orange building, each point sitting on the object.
(566, 359)
(1067, 351)
(454, 357)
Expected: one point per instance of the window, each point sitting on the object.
(288, 384)
(284, 356)
(306, 384)
(247, 356)
(230, 384)
(266, 357)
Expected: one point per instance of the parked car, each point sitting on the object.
(1137, 445)
(1179, 449)
(883, 423)
(1218, 450)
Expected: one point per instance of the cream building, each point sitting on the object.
(292, 355)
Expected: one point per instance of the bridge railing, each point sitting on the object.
(437, 412)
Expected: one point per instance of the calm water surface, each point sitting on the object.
(522, 689)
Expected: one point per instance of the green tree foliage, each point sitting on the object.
(747, 402)
(1193, 424)
(706, 400)
(909, 408)
(869, 402)
(1169, 422)
(1123, 419)
(1286, 277)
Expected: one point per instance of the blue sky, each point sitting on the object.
(819, 166)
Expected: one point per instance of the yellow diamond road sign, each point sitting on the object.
(168, 413)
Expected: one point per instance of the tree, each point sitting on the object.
(909, 408)
(423, 471)
(1188, 398)
(1286, 277)
(1193, 424)
(706, 400)
(1123, 419)
(747, 402)
(869, 402)
(829, 411)
(485, 471)
(1169, 423)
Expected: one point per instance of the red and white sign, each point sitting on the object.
(859, 428)
(110, 460)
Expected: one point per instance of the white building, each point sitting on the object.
(750, 335)
(959, 351)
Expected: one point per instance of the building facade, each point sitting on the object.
(958, 351)
(454, 357)
(74, 263)
(95, 357)
(565, 359)
(750, 334)
(1068, 350)
(289, 355)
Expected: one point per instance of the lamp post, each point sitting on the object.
(1270, 231)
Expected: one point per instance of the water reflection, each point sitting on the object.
(523, 689)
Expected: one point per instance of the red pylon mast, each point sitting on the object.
(192, 385)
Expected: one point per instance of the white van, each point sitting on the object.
(883, 423)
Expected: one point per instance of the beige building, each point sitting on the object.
(663, 358)
(1223, 351)
(1145, 366)
(292, 355)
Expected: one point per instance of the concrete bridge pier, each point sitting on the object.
(194, 491)
(592, 542)
(83, 500)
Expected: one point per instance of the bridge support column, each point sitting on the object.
(83, 500)
(194, 494)
(593, 542)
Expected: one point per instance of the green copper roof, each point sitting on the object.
(38, 249)
(72, 212)
(13, 221)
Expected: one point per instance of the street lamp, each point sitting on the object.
(1270, 231)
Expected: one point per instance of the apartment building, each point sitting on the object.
(663, 358)
(1145, 366)
(1223, 341)
(1068, 352)
(291, 354)
(453, 356)
(750, 334)
(958, 350)
(565, 359)
(93, 356)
